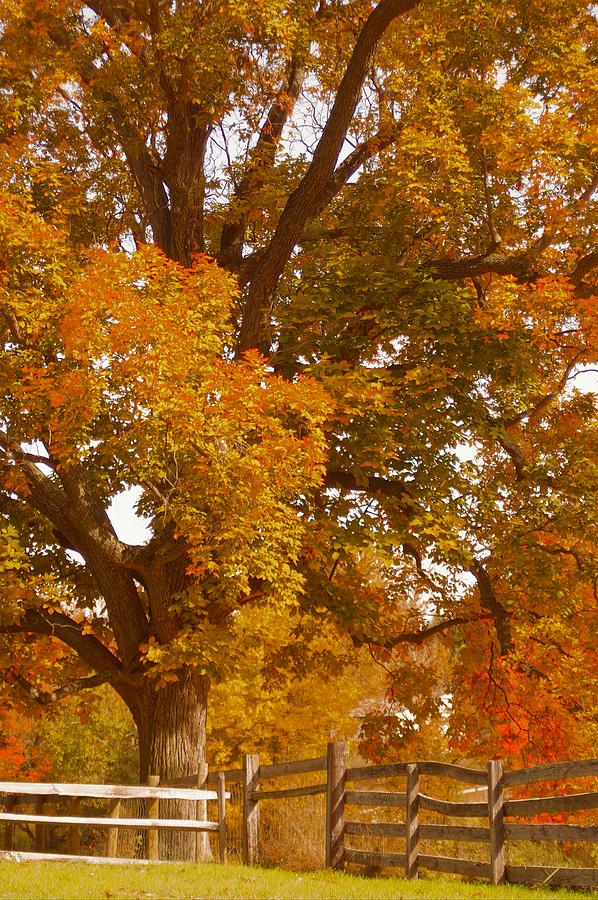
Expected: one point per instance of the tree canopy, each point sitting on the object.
(317, 280)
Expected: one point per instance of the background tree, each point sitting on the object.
(398, 200)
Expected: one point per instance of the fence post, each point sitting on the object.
(74, 833)
(9, 834)
(251, 809)
(412, 821)
(336, 770)
(496, 803)
(202, 840)
(221, 790)
(153, 812)
(112, 841)
(40, 802)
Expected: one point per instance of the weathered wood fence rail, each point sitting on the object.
(40, 794)
(495, 810)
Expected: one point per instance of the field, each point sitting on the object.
(47, 880)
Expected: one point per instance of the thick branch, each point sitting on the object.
(490, 602)
(146, 173)
(514, 451)
(44, 494)
(79, 516)
(565, 551)
(142, 163)
(90, 517)
(373, 484)
(75, 512)
(12, 322)
(519, 264)
(350, 165)
(305, 199)
(109, 560)
(584, 266)
(418, 637)
(412, 551)
(114, 13)
(341, 175)
(45, 698)
(65, 629)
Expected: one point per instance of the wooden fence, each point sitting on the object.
(41, 794)
(497, 810)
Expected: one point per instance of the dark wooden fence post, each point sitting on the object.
(74, 830)
(412, 821)
(336, 770)
(153, 812)
(221, 791)
(40, 828)
(496, 803)
(9, 834)
(251, 809)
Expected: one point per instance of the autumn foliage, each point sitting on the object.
(315, 281)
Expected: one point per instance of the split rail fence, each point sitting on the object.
(41, 794)
(499, 811)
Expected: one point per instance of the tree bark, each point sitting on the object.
(171, 723)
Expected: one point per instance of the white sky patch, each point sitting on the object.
(586, 380)
(128, 524)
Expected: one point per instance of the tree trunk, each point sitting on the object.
(171, 722)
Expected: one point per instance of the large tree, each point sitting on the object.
(234, 234)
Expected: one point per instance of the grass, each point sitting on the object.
(79, 881)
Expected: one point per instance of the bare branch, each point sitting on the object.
(412, 551)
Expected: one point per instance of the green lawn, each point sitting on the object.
(33, 880)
